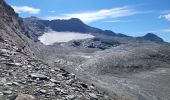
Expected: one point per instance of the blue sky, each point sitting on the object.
(130, 17)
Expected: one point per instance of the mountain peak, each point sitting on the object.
(75, 19)
(150, 34)
(152, 37)
(32, 18)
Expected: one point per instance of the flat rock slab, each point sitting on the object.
(40, 76)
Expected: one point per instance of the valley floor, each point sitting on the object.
(149, 85)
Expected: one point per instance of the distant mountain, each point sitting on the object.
(36, 27)
(151, 37)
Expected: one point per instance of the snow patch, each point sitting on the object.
(52, 37)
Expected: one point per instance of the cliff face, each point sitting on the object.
(12, 30)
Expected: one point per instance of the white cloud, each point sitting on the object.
(165, 15)
(112, 21)
(26, 9)
(88, 17)
(115, 21)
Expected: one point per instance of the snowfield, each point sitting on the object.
(52, 37)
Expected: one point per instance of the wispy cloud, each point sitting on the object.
(166, 30)
(88, 17)
(165, 15)
(115, 21)
(26, 9)
(52, 11)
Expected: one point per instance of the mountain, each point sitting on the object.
(24, 77)
(37, 27)
(151, 37)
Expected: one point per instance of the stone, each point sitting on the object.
(51, 84)
(70, 81)
(1, 94)
(93, 96)
(13, 96)
(83, 85)
(16, 83)
(43, 91)
(18, 64)
(59, 90)
(71, 97)
(29, 66)
(25, 97)
(40, 76)
(2, 81)
(54, 81)
(8, 92)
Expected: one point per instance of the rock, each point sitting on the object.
(58, 91)
(40, 76)
(2, 81)
(70, 81)
(18, 64)
(93, 96)
(51, 84)
(71, 97)
(25, 97)
(91, 87)
(13, 97)
(43, 91)
(83, 85)
(9, 83)
(54, 81)
(16, 83)
(8, 92)
(29, 66)
(1, 94)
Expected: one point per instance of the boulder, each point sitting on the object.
(25, 97)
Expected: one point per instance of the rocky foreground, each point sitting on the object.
(25, 78)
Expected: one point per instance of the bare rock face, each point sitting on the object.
(12, 29)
